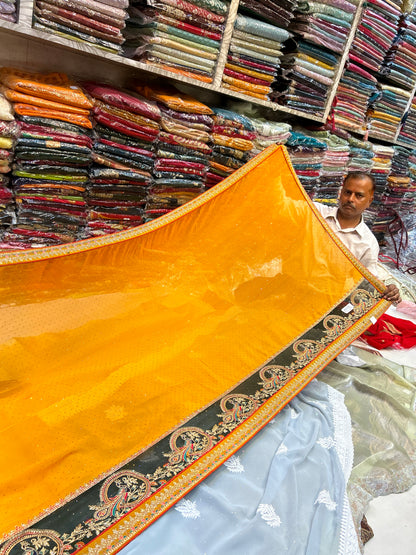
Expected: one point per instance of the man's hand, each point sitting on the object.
(392, 294)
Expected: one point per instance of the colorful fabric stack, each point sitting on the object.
(408, 207)
(398, 181)
(307, 74)
(375, 34)
(9, 132)
(233, 136)
(361, 155)
(97, 22)
(183, 149)
(399, 65)
(253, 57)
(126, 131)
(8, 10)
(386, 112)
(374, 216)
(277, 12)
(407, 134)
(307, 156)
(324, 24)
(269, 133)
(356, 87)
(176, 35)
(333, 165)
(52, 156)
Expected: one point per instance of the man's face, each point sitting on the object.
(356, 195)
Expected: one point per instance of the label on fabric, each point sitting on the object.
(347, 308)
(373, 320)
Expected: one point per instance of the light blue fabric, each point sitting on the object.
(282, 493)
(256, 27)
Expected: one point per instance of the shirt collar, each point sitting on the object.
(359, 228)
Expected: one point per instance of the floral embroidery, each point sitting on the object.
(268, 514)
(325, 498)
(326, 442)
(282, 449)
(233, 464)
(188, 509)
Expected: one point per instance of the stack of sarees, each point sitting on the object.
(386, 112)
(361, 155)
(9, 131)
(179, 36)
(254, 57)
(407, 133)
(307, 156)
(356, 87)
(269, 133)
(277, 12)
(233, 136)
(399, 179)
(408, 206)
(96, 22)
(8, 10)
(376, 216)
(183, 149)
(125, 136)
(52, 157)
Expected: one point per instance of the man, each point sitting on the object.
(347, 223)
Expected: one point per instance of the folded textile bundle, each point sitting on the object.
(269, 133)
(233, 136)
(253, 57)
(375, 34)
(277, 12)
(399, 64)
(52, 156)
(334, 162)
(9, 131)
(407, 134)
(399, 179)
(326, 25)
(307, 155)
(361, 155)
(386, 112)
(375, 216)
(183, 149)
(97, 22)
(306, 76)
(125, 135)
(408, 204)
(355, 89)
(8, 10)
(176, 35)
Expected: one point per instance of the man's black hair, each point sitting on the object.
(360, 175)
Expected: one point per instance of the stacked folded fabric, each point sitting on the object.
(97, 22)
(180, 36)
(307, 155)
(253, 57)
(277, 12)
(333, 165)
(356, 87)
(375, 34)
(232, 137)
(407, 134)
(361, 155)
(408, 207)
(183, 149)
(9, 132)
(125, 135)
(383, 156)
(399, 65)
(398, 180)
(8, 10)
(386, 112)
(269, 133)
(52, 156)
(307, 74)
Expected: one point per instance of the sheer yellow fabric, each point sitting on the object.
(108, 344)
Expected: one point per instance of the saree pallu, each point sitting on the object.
(174, 331)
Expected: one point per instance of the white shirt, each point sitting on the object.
(359, 240)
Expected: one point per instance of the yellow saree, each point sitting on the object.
(133, 365)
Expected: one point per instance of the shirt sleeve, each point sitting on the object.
(369, 258)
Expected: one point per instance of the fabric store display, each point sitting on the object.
(269, 133)
(398, 181)
(355, 90)
(51, 159)
(361, 155)
(407, 133)
(386, 111)
(276, 12)
(249, 504)
(99, 23)
(8, 10)
(201, 282)
(399, 65)
(374, 216)
(183, 149)
(123, 156)
(179, 36)
(307, 72)
(253, 56)
(375, 34)
(9, 132)
(307, 157)
(233, 137)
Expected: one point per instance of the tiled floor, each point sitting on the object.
(393, 520)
